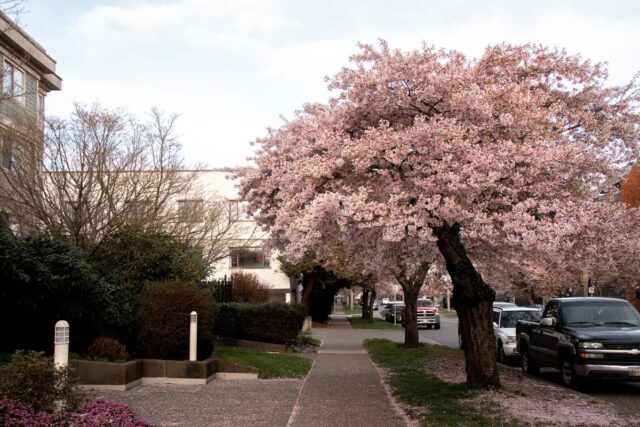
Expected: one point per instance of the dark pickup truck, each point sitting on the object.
(587, 337)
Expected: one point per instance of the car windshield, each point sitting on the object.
(610, 313)
(425, 303)
(510, 318)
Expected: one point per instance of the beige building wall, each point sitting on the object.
(245, 236)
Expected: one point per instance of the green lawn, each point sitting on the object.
(357, 309)
(269, 365)
(443, 402)
(359, 323)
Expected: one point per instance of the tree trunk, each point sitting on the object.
(309, 281)
(364, 302)
(411, 288)
(372, 299)
(410, 315)
(472, 299)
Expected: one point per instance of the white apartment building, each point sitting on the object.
(245, 241)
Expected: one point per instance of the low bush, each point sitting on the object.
(95, 413)
(164, 315)
(246, 287)
(271, 322)
(32, 379)
(101, 412)
(109, 349)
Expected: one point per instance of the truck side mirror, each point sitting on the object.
(548, 321)
(495, 325)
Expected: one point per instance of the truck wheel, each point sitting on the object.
(500, 356)
(568, 372)
(528, 365)
(437, 326)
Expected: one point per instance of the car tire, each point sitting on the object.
(437, 326)
(500, 356)
(568, 373)
(528, 365)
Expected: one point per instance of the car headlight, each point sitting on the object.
(511, 340)
(591, 345)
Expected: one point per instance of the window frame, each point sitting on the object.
(7, 154)
(238, 211)
(193, 215)
(10, 66)
(266, 262)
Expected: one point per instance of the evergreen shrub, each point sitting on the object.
(270, 322)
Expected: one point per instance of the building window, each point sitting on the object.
(12, 82)
(40, 109)
(139, 210)
(238, 211)
(191, 211)
(6, 147)
(249, 258)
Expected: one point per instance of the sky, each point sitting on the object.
(233, 68)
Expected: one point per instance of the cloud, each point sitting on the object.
(232, 67)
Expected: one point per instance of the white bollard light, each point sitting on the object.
(61, 344)
(193, 337)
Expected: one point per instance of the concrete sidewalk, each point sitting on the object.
(343, 388)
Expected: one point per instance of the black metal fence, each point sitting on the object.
(221, 289)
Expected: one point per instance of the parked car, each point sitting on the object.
(585, 337)
(375, 304)
(505, 319)
(394, 310)
(428, 314)
(495, 304)
(503, 304)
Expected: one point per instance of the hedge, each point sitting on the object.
(164, 315)
(270, 322)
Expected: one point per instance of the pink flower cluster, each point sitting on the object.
(96, 413)
(513, 148)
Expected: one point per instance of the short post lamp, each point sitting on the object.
(61, 344)
(193, 337)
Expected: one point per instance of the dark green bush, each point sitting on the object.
(270, 322)
(31, 378)
(227, 319)
(164, 309)
(45, 279)
(137, 256)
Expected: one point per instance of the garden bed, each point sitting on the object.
(122, 376)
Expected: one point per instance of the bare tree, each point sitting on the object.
(13, 9)
(101, 171)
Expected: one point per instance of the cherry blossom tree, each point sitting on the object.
(428, 154)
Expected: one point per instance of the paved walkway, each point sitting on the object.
(343, 388)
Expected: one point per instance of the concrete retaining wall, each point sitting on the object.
(123, 376)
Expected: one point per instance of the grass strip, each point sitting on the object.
(360, 323)
(269, 365)
(442, 403)
(356, 310)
